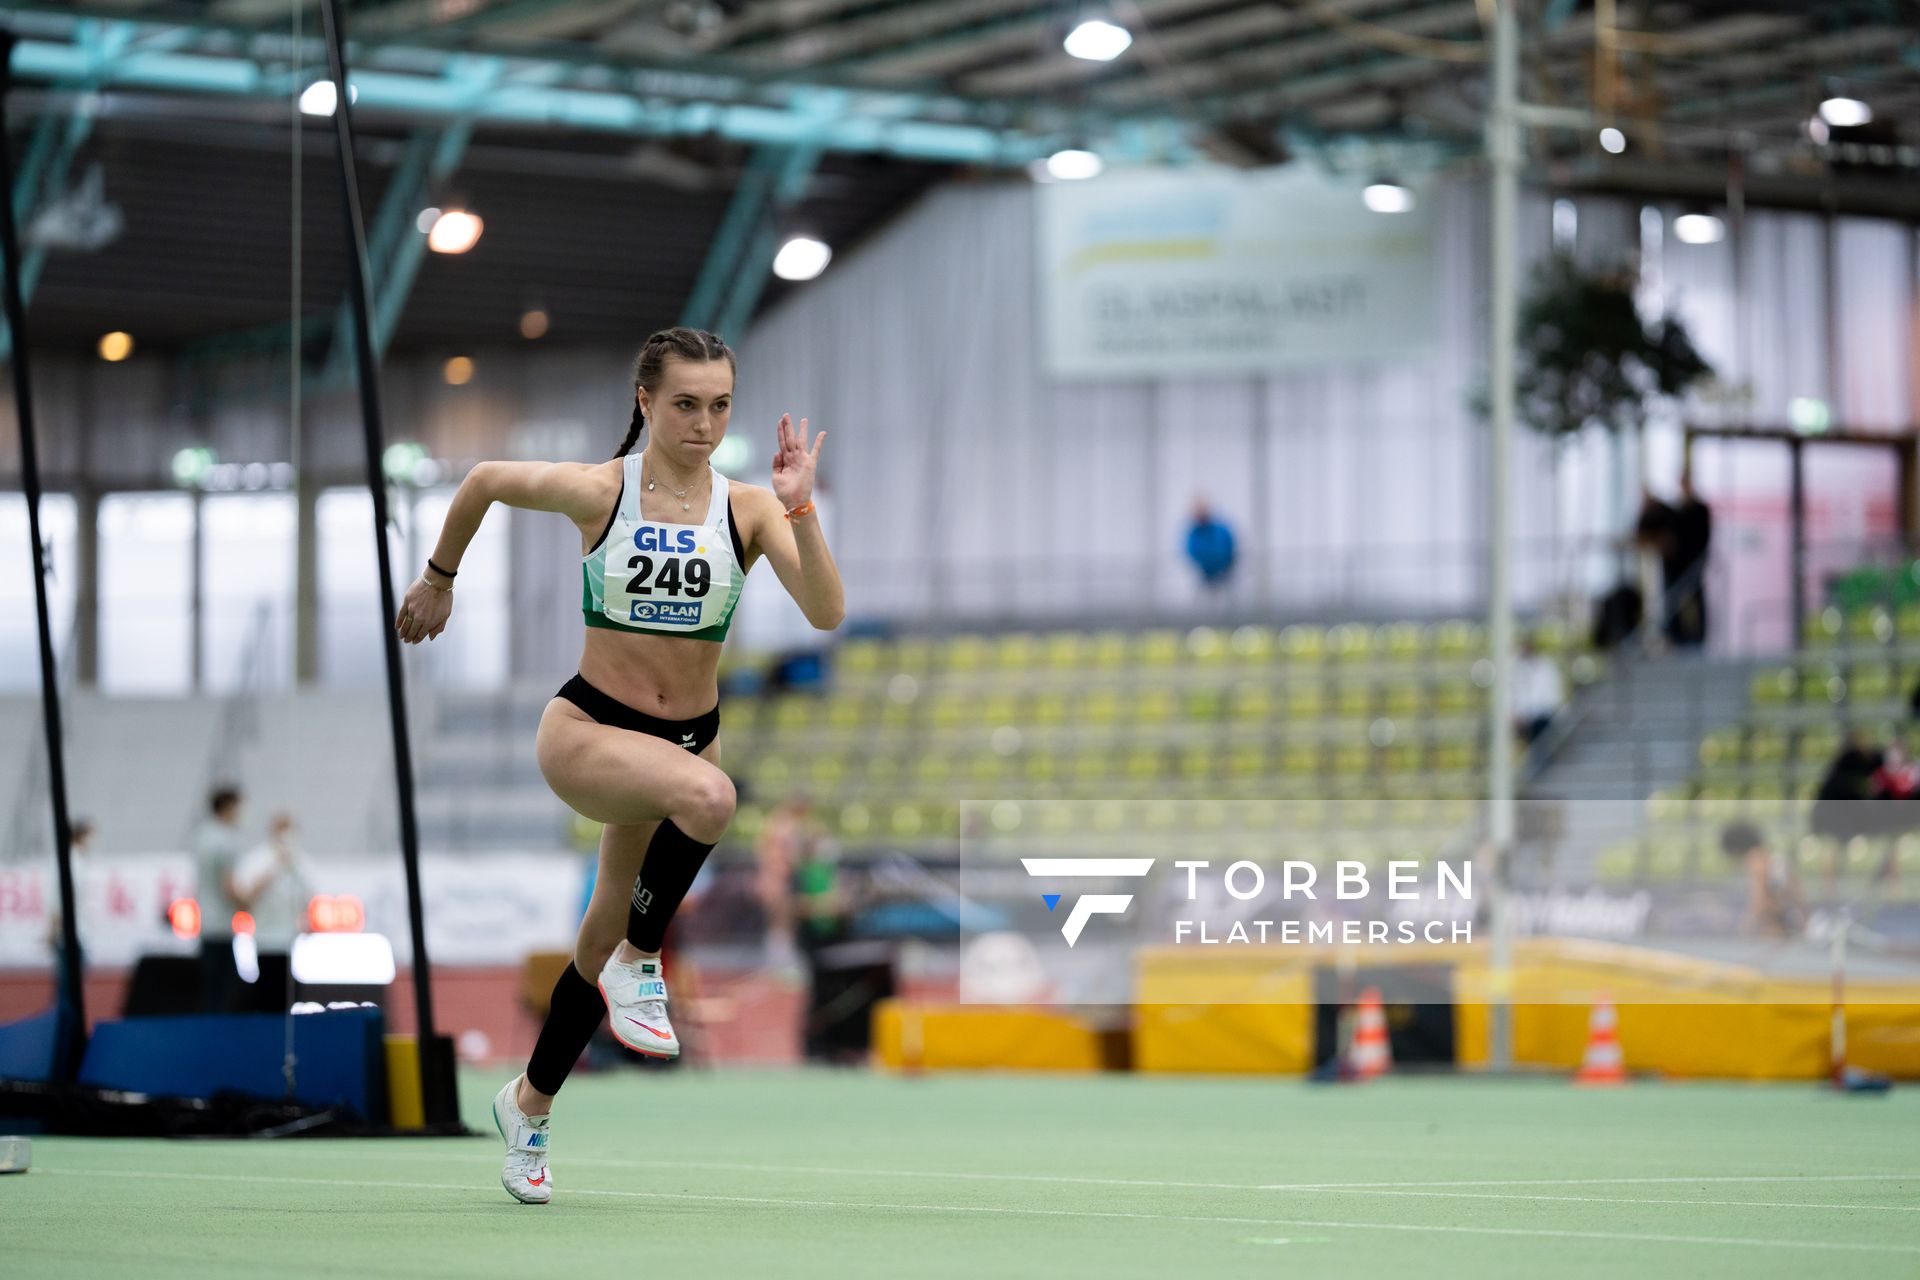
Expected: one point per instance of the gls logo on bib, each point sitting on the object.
(653, 538)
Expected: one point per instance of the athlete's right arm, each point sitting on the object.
(582, 491)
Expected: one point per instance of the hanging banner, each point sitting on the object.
(1178, 271)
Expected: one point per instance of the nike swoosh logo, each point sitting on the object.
(657, 1031)
(540, 1181)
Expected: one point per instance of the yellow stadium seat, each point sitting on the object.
(1304, 645)
(913, 654)
(1348, 642)
(860, 657)
(847, 711)
(1065, 650)
(1825, 628)
(1767, 746)
(1101, 707)
(1907, 622)
(1254, 645)
(1453, 697)
(1204, 702)
(1249, 701)
(1399, 642)
(1016, 651)
(1050, 707)
(1199, 762)
(881, 769)
(1776, 687)
(1306, 698)
(826, 770)
(1160, 648)
(951, 709)
(1205, 646)
(1001, 708)
(794, 711)
(964, 653)
(1110, 649)
(1458, 639)
(1871, 682)
(1145, 762)
(1249, 759)
(1351, 758)
(1870, 626)
(1353, 699)
(1300, 758)
(932, 768)
(1156, 706)
(1403, 699)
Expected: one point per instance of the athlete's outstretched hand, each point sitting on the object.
(793, 463)
(423, 612)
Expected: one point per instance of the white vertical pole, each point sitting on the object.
(1503, 154)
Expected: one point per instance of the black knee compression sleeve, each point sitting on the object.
(673, 860)
(575, 1011)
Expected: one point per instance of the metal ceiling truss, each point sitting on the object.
(656, 97)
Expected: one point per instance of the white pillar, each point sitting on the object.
(1503, 153)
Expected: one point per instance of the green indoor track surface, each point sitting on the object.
(809, 1174)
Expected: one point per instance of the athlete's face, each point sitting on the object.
(688, 415)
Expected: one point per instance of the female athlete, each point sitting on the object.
(632, 741)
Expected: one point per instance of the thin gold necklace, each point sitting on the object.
(646, 474)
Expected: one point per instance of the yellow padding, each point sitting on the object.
(403, 1083)
(945, 1037)
(1238, 1038)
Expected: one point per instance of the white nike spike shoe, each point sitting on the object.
(525, 1174)
(636, 996)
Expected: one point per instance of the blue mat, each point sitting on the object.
(340, 1058)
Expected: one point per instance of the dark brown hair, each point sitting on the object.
(689, 344)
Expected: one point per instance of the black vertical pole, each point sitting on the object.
(439, 1104)
(73, 1030)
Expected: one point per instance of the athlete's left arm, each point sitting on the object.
(797, 548)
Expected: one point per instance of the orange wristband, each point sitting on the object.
(804, 509)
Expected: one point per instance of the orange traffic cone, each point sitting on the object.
(1370, 1055)
(1603, 1062)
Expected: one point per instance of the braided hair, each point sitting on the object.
(688, 344)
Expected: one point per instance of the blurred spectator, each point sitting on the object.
(1656, 538)
(1775, 906)
(1538, 691)
(217, 847)
(1210, 547)
(1839, 811)
(1692, 539)
(271, 882)
(216, 853)
(785, 842)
